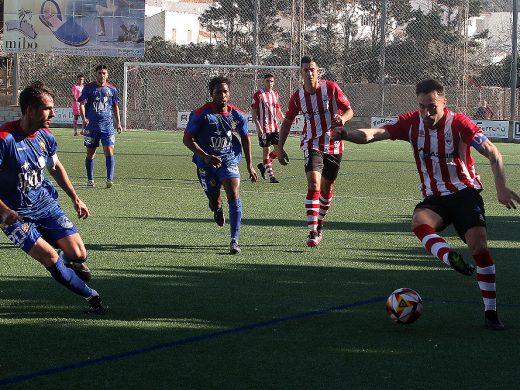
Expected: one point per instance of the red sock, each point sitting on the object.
(432, 242)
(273, 155)
(312, 206)
(486, 279)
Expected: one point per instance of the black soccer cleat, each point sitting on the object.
(80, 268)
(491, 320)
(261, 168)
(459, 265)
(273, 179)
(218, 216)
(234, 249)
(96, 306)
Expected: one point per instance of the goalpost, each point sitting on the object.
(160, 96)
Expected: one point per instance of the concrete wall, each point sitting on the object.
(9, 113)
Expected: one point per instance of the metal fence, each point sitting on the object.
(376, 50)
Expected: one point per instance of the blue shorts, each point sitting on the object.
(92, 138)
(211, 178)
(51, 227)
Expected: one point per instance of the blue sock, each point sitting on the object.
(69, 279)
(235, 217)
(110, 163)
(89, 164)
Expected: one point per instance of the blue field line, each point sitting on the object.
(181, 342)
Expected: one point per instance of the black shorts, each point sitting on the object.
(268, 139)
(324, 163)
(464, 209)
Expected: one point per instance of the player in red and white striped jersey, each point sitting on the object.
(265, 108)
(441, 141)
(324, 106)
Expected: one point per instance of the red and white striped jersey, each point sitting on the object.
(267, 105)
(442, 155)
(319, 109)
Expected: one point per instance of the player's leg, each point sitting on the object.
(331, 165)
(74, 255)
(313, 162)
(211, 184)
(232, 188)
(91, 142)
(470, 224)
(26, 236)
(272, 139)
(75, 124)
(262, 141)
(431, 216)
(108, 141)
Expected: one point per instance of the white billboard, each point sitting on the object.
(112, 28)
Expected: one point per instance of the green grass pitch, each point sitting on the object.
(183, 313)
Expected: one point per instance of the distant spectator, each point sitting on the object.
(484, 112)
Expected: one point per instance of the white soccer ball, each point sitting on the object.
(404, 306)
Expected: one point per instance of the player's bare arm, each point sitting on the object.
(284, 133)
(489, 150)
(8, 216)
(254, 115)
(360, 136)
(209, 159)
(246, 146)
(61, 177)
(340, 120)
(119, 128)
(84, 120)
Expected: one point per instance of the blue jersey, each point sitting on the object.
(23, 158)
(99, 101)
(213, 132)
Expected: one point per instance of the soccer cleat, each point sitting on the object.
(314, 239)
(261, 168)
(90, 183)
(491, 320)
(96, 306)
(110, 183)
(459, 265)
(75, 133)
(234, 249)
(218, 216)
(80, 269)
(273, 179)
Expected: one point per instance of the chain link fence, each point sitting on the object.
(376, 50)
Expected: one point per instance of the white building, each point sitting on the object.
(176, 21)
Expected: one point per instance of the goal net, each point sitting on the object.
(160, 96)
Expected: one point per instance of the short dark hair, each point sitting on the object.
(99, 67)
(307, 60)
(267, 75)
(217, 80)
(429, 85)
(31, 96)
(80, 75)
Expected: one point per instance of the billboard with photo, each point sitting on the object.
(113, 28)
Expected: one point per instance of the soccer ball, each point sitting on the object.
(404, 306)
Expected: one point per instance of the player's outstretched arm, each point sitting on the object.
(504, 194)
(119, 128)
(84, 120)
(360, 136)
(284, 133)
(8, 216)
(246, 146)
(61, 177)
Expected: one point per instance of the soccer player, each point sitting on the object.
(209, 135)
(324, 106)
(98, 101)
(441, 141)
(30, 215)
(265, 108)
(76, 92)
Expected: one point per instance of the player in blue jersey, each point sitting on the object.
(30, 215)
(98, 102)
(209, 135)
